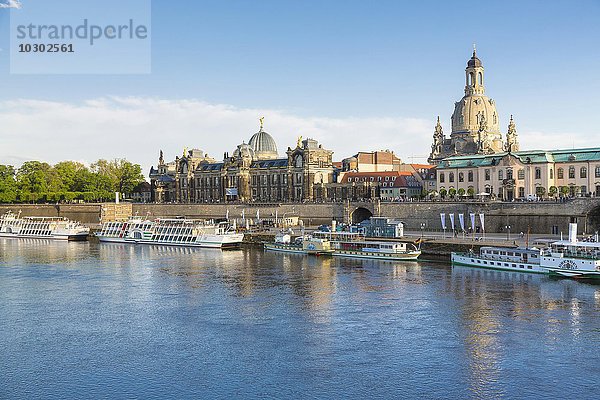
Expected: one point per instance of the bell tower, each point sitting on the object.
(474, 76)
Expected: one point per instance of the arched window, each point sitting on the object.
(583, 172)
(597, 171)
(471, 79)
(470, 176)
(500, 175)
(560, 173)
(442, 177)
(551, 173)
(571, 172)
(480, 75)
(461, 177)
(451, 177)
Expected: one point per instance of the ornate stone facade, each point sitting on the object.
(475, 121)
(253, 173)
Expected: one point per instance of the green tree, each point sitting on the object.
(471, 191)
(443, 193)
(552, 191)
(461, 192)
(8, 184)
(34, 178)
(120, 174)
(564, 190)
(452, 192)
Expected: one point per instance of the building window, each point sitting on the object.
(470, 176)
(500, 175)
(551, 173)
(521, 174)
(461, 177)
(597, 171)
(451, 177)
(538, 173)
(487, 174)
(442, 177)
(583, 172)
(560, 173)
(571, 172)
(509, 173)
(521, 192)
(584, 190)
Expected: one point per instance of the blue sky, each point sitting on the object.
(341, 61)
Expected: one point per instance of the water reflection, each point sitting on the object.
(316, 326)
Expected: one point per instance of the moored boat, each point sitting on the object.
(56, 228)
(355, 245)
(171, 231)
(563, 258)
(306, 244)
(346, 244)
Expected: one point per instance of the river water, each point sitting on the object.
(90, 320)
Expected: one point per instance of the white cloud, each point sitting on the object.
(11, 4)
(136, 128)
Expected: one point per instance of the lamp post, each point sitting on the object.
(507, 232)
(422, 229)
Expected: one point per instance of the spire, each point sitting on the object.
(474, 51)
(512, 139)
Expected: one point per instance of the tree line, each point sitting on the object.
(67, 181)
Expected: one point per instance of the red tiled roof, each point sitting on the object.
(376, 174)
(427, 166)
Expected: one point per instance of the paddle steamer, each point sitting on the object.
(57, 228)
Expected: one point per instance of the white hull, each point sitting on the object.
(209, 241)
(287, 248)
(67, 237)
(412, 256)
(474, 260)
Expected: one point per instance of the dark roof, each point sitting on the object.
(165, 179)
(210, 167)
(278, 163)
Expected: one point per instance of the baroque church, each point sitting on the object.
(253, 172)
(475, 122)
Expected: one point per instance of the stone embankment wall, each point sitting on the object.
(539, 217)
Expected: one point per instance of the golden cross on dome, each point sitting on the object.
(262, 122)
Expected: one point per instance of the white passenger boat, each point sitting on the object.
(171, 231)
(12, 225)
(344, 244)
(354, 245)
(564, 258)
(306, 244)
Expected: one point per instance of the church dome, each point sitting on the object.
(474, 61)
(469, 111)
(263, 145)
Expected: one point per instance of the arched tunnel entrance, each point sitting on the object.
(360, 214)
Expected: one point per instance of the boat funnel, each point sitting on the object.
(572, 232)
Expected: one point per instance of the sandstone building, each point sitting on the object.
(253, 172)
(475, 122)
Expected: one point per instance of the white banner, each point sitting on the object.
(452, 220)
(461, 219)
(482, 222)
(472, 215)
(443, 218)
